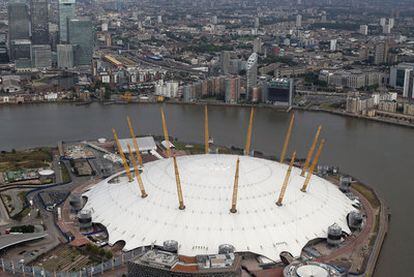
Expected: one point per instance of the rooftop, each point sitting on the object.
(259, 226)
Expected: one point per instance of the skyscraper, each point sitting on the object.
(40, 21)
(19, 23)
(333, 45)
(225, 61)
(64, 56)
(41, 56)
(20, 50)
(80, 35)
(66, 12)
(391, 22)
(299, 20)
(251, 73)
(381, 52)
(232, 89)
(256, 22)
(400, 77)
(363, 30)
(257, 45)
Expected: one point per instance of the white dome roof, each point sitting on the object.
(259, 226)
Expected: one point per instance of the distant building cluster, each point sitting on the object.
(31, 43)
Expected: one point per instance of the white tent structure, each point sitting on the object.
(259, 226)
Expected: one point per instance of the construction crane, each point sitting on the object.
(137, 174)
(313, 165)
(121, 153)
(206, 133)
(249, 133)
(311, 150)
(134, 140)
(286, 180)
(178, 182)
(287, 138)
(165, 131)
(235, 188)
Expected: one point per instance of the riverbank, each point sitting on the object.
(379, 227)
(222, 104)
(342, 113)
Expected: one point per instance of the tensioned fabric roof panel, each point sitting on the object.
(259, 226)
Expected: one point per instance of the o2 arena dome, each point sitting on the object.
(207, 186)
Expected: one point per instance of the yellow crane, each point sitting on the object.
(287, 138)
(311, 150)
(121, 153)
(178, 182)
(249, 133)
(235, 188)
(134, 140)
(313, 165)
(137, 174)
(286, 180)
(206, 133)
(165, 131)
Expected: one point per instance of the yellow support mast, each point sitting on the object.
(235, 188)
(311, 150)
(286, 181)
(206, 133)
(178, 182)
(287, 138)
(249, 133)
(137, 174)
(165, 131)
(121, 153)
(313, 165)
(134, 140)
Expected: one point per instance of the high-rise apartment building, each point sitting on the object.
(257, 45)
(363, 30)
(333, 44)
(381, 52)
(225, 61)
(299, 20)
(251, 74)
(232, 89)
(391, 22)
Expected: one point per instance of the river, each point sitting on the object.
(378, 154)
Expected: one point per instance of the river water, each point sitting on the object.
(378, 154)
